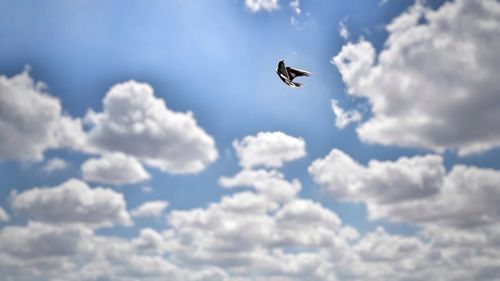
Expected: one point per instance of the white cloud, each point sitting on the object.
(305, 223)
(468, 197)
(440, 253)
(250, 242)
(268, 149)
(286, 251)
(4, 217)
(344, 118)
(31, 121)
(260, 5)
(381, 246)
(269, 234)
(137, 123)
(73, 202)
(343, 31)
(150, 209)
(434, 84)
(41, 240)
(246, 236)
(415, 190)
(295, 5)
(247, 203)
(381, 182)
(54, 164)
(382, 256)
(115, 168)
(73, 253)
(270, 183)
(146, 189)
(300, 242)
(150, 241)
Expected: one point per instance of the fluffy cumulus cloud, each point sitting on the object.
(150, 209)
(134, 126)
(381, 182)
(38, 251)
(137, 123)
(342, 117)
(73, 202)
(299, 239)
(218, 242)
(432, 254)
(115, 168)
(269, 149)
(252, 238)
(262, 230)
(31, 121)
(434, 84)
(413, 190)
(150, 241)
(247, 235)
(302, 241)
(266, 233)
(41, 240)
(468, 197)
(270, 183)
(261, 5)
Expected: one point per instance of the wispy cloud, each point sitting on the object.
(261, 5)
(55, 164)
(344, 118)
(150, 209)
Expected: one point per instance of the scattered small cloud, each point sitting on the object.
(295, 6)
(269, 149)
(261, 5)
(55, 164)
(343, 31)
(344, 118)
(4, 217)
(272, 184)
(150, 209)
(146, 189)
(115, 168)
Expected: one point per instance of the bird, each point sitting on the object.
(287, 74)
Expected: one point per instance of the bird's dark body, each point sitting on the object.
(287, 74)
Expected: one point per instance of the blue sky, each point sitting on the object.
(419, 160)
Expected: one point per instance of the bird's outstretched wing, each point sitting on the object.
(292, 72)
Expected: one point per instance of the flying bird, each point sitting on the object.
(287, 74)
